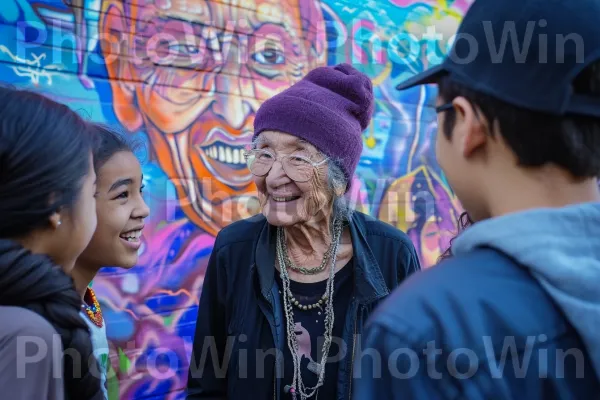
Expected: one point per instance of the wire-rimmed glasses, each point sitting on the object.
(297, 167)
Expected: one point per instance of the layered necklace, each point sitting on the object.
(289, 302)
(93, 311)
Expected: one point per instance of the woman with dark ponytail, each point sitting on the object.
(464, 221)
(47, 218)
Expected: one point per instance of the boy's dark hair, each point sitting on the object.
(571, 142)
(108, 142)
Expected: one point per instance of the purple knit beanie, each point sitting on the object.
(329, 108)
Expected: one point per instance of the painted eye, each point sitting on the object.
(183, 49)
(269, 57)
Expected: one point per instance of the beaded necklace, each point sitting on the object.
(298, 386)
(93, 311)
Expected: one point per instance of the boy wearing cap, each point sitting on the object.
(513, 313)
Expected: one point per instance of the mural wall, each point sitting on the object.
(186, 77)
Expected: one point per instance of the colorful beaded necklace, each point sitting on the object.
(93, 312)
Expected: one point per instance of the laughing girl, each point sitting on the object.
(121, 211)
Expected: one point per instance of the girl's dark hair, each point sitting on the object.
(108, 142)
(464, 221)
(44, 156)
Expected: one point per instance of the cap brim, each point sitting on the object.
(432, 75)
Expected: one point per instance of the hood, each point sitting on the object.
(561, 247)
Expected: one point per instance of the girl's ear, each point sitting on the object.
(55, 220)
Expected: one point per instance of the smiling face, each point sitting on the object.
(284, 201)
(121, 211)
(206, 68)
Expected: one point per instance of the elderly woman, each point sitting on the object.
(287, 293)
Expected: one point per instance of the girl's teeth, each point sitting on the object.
(133, 236)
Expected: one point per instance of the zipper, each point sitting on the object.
(352, 360)
(271, 300)
(275, 336)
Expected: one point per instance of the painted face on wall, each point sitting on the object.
(421, 205)
(193, 73)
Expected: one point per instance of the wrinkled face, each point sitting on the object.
(121, 211)
(206, 67)
(77, 224)
(284, 201)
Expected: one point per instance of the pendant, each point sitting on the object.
(93, 312)
(314, 367)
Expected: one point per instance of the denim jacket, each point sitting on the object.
(240, 328)
(476, 326)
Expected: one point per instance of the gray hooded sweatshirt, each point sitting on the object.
(31, 366)
(561, 248)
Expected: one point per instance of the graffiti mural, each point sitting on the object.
(187, 77)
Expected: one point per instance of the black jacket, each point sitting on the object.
(477, 326)
(32, 281)
(240, 311)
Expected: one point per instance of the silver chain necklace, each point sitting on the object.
(307, 271)
(298, 384)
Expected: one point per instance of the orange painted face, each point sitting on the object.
(204, 69)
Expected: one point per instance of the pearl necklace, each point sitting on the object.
(303, 307)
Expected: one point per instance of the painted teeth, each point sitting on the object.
(283, 198)
(226, 154)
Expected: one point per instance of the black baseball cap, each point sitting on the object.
(556, 40)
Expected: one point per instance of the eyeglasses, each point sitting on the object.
(444, 107)
(298, 168)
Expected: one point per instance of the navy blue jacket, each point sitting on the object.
(476, 326)
(240, 311)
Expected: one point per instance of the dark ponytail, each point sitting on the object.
(44, 156)
(464, 221)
